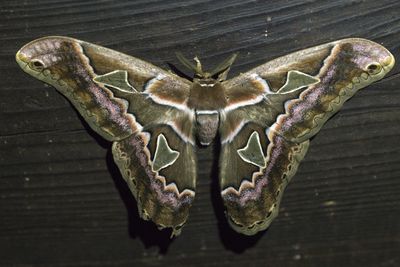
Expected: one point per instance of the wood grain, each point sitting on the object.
(64, 203)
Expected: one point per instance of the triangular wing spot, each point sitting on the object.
(296, 80)
(252, 152)
(164, 155)
(117, 79)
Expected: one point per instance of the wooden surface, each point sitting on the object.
(64, 203)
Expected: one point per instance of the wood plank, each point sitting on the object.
(64, 203)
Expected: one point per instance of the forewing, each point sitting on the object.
(138, 106)
(284, 103)
(73, 66)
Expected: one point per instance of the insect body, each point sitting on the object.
(264, 118)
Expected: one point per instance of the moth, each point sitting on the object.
(264, 118)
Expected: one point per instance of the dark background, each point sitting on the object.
(64, 203)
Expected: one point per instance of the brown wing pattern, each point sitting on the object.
(285, 102)
(138, 106)
(266, 121)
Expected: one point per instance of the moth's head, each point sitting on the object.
(219, 73)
